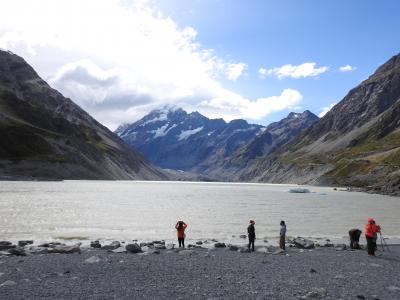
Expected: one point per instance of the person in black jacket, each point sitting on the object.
(252, 235)
(354, 235)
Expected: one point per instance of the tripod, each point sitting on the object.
(383, 243)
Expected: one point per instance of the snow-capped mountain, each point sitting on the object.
(172, 138)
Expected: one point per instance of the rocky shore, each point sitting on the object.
(204, 270)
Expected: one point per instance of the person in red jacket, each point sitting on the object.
(180, 229)
(371, 231)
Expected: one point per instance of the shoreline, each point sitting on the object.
(339, 188)
(155, 272)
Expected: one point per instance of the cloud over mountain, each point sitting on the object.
(119, 60)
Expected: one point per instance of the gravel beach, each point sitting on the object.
(203, 274)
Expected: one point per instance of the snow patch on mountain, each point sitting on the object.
(187, 133)
(162, 131)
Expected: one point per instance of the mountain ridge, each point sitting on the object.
(45, 135)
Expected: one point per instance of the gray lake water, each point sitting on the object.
(126, 210)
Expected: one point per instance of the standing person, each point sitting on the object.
(371, 231)
(354, 235)
(180, 229)
(251, 231)
(282, 235)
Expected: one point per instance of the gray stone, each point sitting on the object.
(6, 246)
(340, 247)
(160, 246)
(8, 283)
(199, 243)
(303, 243)
(219, 245)
(133, 248)
(24, 243)
(243, 236)
(186, 252)
(95, 244)
(114, 245)
(316, 293)
(65, 249)
(92, 260)
(17, 251)
(279, 251)
(233, 248)
(121, 249)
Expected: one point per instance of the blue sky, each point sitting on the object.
(120, 59)
(363, 34)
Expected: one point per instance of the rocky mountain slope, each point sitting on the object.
(357, 143)
(46, 136)
(274, 135)
(171, 138)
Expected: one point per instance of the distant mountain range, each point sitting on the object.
(357, 143)
(46, 136)
(174, 139)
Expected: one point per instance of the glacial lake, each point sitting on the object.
(125, 210)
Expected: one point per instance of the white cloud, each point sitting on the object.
(262, 72)
(234, 71)
(325, 109)
(120, 59)
(307, 69)
(347, 68)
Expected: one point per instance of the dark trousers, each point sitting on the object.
(181, 242)
(251, 244)
(371, 245)
(282, 242)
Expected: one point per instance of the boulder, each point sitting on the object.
(186, 252)
(199, 243)
(244, 250)
(340, 247)
(243, 236)
(233, 248)
(18, 251)
(159, 242)
(219, 245)
(8, 283)
(114, 245)
(262, 250)
(303, 243)
(95, 244)
(279, 251)
(160, 246)
(51, 245)
(121, 249)
(65, 249)
(24, 243)
(5, 245)
(170, 246)
(316, 293)
(92, 260)
(133, 248)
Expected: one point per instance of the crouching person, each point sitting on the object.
(354, 235)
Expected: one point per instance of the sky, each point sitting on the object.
(251, 59)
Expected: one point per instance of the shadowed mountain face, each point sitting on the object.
(45, 135)
(357, 143)
(172, 138)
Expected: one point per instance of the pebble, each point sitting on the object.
(393, 288)
(8, 283)
(92, 260)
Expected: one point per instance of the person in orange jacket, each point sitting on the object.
(371, 231)
(180, 229)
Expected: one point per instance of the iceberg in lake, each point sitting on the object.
(299, 190)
